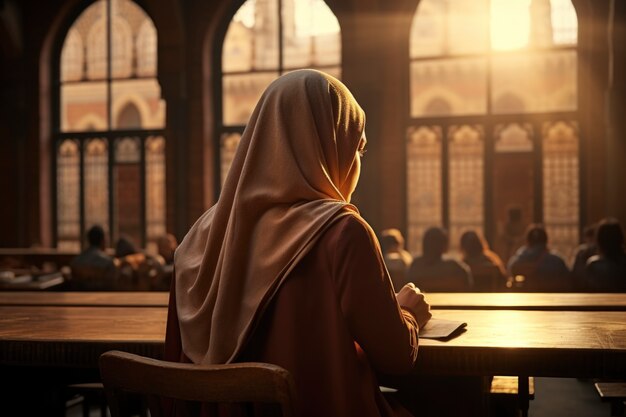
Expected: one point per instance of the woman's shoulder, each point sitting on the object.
(351, 223)
(350, 229)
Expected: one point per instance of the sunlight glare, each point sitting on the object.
(313, 18)
(510, 24)
(245, 14)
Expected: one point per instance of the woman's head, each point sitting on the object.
(124, 247)
(536, 235)
(435, 242)
(391, 240)
(471, 244)
(303, 140)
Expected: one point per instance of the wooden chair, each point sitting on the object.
(248, 383)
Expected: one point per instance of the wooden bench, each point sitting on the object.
(615, 393)
(505, 398)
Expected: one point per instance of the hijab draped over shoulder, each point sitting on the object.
(286, 185)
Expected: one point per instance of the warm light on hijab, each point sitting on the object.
(292, 176)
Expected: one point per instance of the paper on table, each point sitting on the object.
(440, 328)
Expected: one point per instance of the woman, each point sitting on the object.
(487, 268)
(284, 270)
(434, 271)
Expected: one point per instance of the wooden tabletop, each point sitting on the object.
(86, 299)
(537, 343)
(76, 336)
(529, 301)
(496, 342)
(477, 301)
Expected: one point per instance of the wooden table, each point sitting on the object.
(56, 341)
(583, 344)
(44, 349)
(496, 342)
(529, 301)
(538, 343)
(464, 301)
(74, 337)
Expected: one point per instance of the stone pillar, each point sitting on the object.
(375, 62)
(616, 103)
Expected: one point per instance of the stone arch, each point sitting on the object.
(509, 102)
(131, 99)
(129, 117)
(436, 96)
(90, 122)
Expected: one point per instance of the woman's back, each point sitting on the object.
(337, 295)
(604, 274)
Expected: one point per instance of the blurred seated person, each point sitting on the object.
(541, 269)
(127, 251)
(93, 269)
(138, 270)
(166, 246)
(397, 259)
(606, 271)
(487, 268)
(433, 272)
(584, 251)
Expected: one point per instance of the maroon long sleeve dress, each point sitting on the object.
(333, 324)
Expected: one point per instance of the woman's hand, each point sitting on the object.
(411, 299)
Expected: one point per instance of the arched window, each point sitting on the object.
(109, 138)
(72, 57)
(267, 38)
(494, 121)
(146, 49)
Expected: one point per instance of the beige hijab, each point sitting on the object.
(286, 185)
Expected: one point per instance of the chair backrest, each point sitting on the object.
(251, 382)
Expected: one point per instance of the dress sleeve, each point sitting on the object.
(387, 334)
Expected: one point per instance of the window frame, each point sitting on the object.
(489, 120)
(110, 136)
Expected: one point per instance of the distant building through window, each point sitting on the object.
(110, 148)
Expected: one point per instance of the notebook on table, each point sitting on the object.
(441, 328)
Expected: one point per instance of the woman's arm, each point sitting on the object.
(387, 333)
